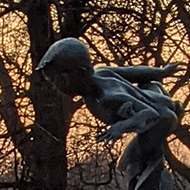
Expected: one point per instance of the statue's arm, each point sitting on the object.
(140, 74)
(139, 123)
(135, 114)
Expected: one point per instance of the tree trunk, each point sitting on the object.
(49, 132)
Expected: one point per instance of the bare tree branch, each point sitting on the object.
(175, 164)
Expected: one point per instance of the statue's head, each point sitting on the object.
(65, 54)
(67, 63)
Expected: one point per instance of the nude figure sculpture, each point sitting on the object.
(110, 95)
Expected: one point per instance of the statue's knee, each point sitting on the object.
(171, 120)
(179, 110)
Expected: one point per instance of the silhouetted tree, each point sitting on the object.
(35, 116)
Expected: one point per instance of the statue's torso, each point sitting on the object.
(113, 92)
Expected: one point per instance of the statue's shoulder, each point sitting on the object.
(104, 72)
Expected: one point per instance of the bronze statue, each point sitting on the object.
(110, 95)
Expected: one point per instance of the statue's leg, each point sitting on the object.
(150, 177)
(141, 167)
(131, 163)
(166, 182)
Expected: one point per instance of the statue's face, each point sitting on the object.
(70, 80)
(63, 82)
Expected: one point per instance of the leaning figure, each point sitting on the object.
(107, 90)
(110, 96)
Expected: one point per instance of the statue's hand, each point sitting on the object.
(170, 69)
(112, 134)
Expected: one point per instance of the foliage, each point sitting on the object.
(35, 117)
